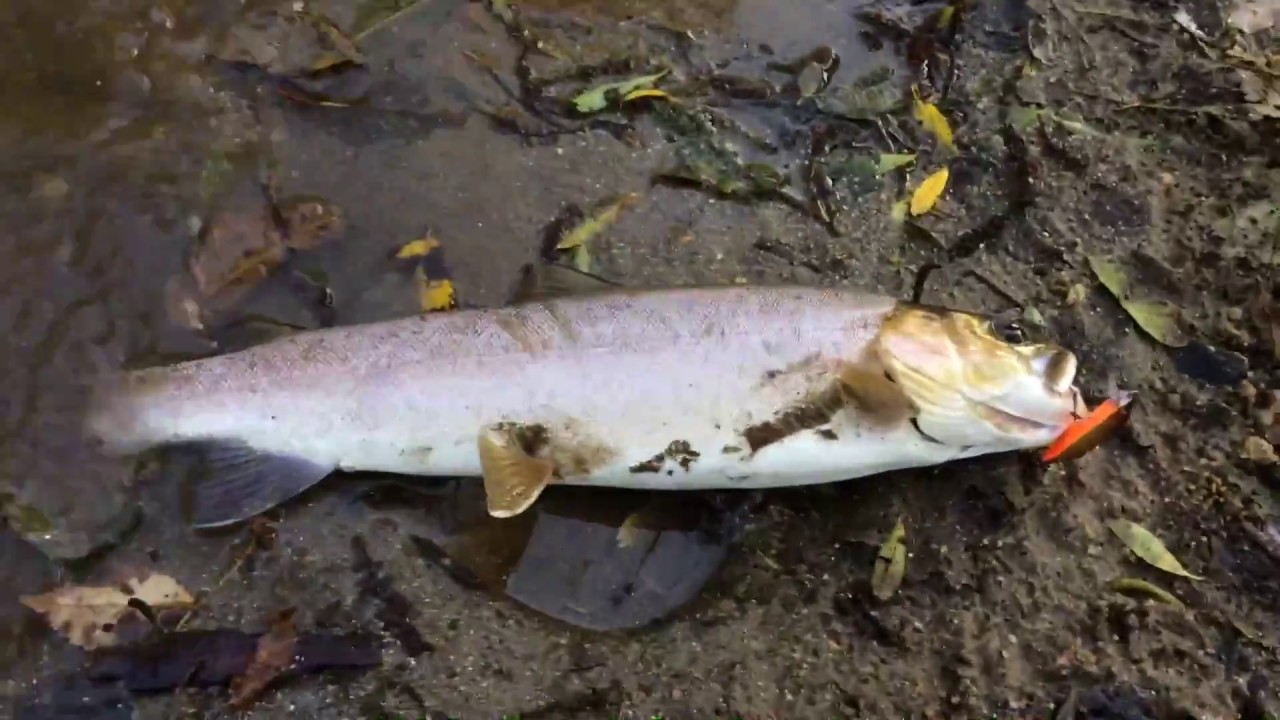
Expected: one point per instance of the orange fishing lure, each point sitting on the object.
(1091, 430)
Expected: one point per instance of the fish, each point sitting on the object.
(686, 388)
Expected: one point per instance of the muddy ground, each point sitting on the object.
(1080, 131)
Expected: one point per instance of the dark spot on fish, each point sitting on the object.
(827, 434)
(915, 423)
(771, 374)
(652, 465)
(802, 416)
(730, 449)
(670, 473)
(679, 450)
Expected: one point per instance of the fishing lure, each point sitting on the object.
(1090, 431)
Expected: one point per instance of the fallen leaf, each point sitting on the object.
(1129, 585)
(1157, 318)
(926, 196)
(1148, 547)
(1251, 16)
(597, 98)
(1022, 117)
(434, 295)
(646, 93)
(892, 161)
(591, 226)
(274, 656)
(1076, 294)
(582, 259)
(417, 248)
(932, 119)
(1182, 19)
(891, 563)
(945, 16)
(89, 615)
(898, 213)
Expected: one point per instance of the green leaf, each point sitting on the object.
(892, 161)
(1157, 318)
(1136, 586)
(596, 99)
(1148, 547)
(891, 564)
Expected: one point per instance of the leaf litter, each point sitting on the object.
(1148, 547)
(891, 563)
(598, 97)
(91, 616)
(1157, 318)
(927, 193)
(432, 279)
(273, 656)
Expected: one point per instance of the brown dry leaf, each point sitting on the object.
(926, 196)
(932, 119)
(595, 224)
(1148, 547)
(273, 657)
(891, 564)
(88, 615)
(1252, 16)
(1157, 318)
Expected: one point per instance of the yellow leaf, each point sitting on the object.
(649, 93)
(892, 161)
(417, 248)
(1157, 318)
(590, 227)
(926, 196)
(89, 616)
(1148, 547)
(597, 98)
(433, 295)
(933, 120)
(891, 563)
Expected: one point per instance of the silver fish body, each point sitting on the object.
(692, 388)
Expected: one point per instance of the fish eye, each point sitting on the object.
(1010, 331)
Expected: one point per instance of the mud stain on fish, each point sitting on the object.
(567, 445)
(807, 415)
(679, 451)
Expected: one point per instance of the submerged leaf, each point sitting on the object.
(892, 161)
(597, 98)
(1157, 318)
(891, 563)
(1148, 547)
(273, 656)
(932, 119)
(595, 224)
(926, 196)
(1022, 117)
(1129, 585)
(88, 616)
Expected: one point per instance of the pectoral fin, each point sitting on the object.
(513, 479)
(877, 398)
(233, 482)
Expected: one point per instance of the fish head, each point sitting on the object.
(979, 381)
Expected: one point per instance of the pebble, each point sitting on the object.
(1260, 451)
